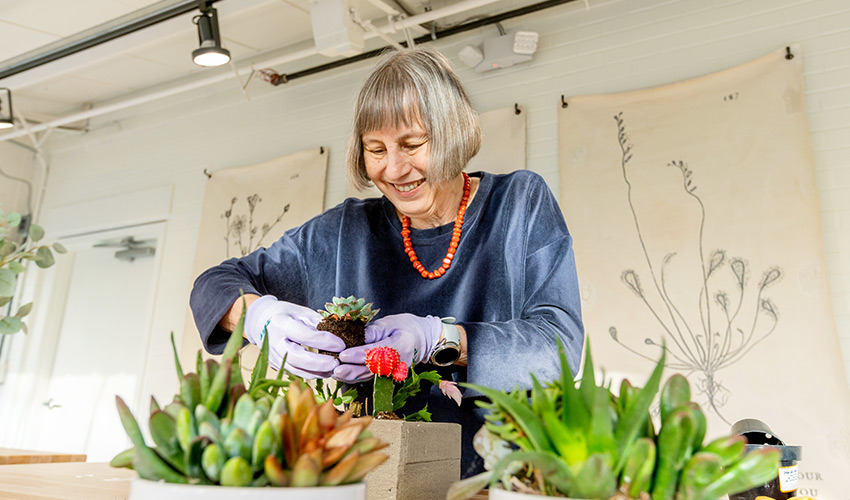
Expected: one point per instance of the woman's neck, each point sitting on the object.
(444, 210)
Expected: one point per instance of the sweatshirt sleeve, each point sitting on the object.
(502, 354)
(277, 270)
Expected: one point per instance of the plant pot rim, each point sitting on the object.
(143, 489)
(503, 494)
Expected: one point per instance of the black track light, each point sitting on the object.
(210, 53)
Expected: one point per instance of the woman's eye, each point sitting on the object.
(414, 146)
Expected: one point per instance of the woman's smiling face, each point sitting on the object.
(396, 159)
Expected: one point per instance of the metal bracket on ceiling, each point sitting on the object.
(243, 86)
(410, 42)
(368, 26)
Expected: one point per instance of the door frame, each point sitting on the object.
(51, 288)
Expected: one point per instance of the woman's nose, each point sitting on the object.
(398, 163)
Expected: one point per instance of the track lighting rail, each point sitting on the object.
(103, 33)
(438, 34)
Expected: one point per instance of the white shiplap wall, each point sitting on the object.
(17, 167)
(613, 46)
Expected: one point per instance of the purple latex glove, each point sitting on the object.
(412, 336)
(292, 328)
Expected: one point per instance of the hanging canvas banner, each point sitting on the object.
(250, 207)
(502, 146)
(697, 225)
(502, 142)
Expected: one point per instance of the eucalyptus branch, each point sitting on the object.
(12, 259)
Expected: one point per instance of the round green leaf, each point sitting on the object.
(13, 219)
(7, 282)
(60, 248)
(44, 257)
(7, 247)
(24, 310)
(36, 232)
(9, 325)
(16, 267)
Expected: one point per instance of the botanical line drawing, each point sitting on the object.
(724, 332)
(240, 232)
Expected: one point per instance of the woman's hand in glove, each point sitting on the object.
(412, 336)
(291, 329)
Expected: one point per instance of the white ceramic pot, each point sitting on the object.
(500, 494)
(142, 489)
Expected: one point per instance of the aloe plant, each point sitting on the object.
(585, 441)
(270, 432)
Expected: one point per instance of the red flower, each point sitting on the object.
(382, 360)
(400, 372)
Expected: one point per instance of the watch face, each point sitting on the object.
(445, 356)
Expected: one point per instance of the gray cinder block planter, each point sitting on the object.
(424, 460)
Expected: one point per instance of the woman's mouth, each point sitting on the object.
(404, 188)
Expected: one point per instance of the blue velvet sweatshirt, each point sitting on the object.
(512, 285)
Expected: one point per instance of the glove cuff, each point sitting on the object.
(257, 318)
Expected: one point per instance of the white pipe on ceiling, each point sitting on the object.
(408, 22)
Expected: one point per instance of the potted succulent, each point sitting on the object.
(424, 456)
(221, 438)
(588, 442)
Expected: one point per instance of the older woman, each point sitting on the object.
(492, 251)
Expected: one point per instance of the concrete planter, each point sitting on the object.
(424, 460)
(141, 489)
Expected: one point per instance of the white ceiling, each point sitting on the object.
(159, 57)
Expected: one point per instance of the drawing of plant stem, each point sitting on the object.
(240, 229)
(703, 346)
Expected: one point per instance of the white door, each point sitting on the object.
(102, 341)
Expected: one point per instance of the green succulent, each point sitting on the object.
(350, 308)
(270, 432)
(586, 441)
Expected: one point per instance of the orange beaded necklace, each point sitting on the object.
(447, 261)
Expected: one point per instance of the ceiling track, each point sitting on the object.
(102, 33)
(438, 35)
(248, 67)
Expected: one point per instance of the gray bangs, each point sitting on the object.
(386, 101)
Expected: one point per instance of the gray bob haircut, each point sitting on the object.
(409, 86)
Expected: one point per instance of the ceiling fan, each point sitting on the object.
(132, 248)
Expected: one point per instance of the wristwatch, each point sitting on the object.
(447, 349)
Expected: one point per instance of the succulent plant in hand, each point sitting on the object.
(346, 318)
